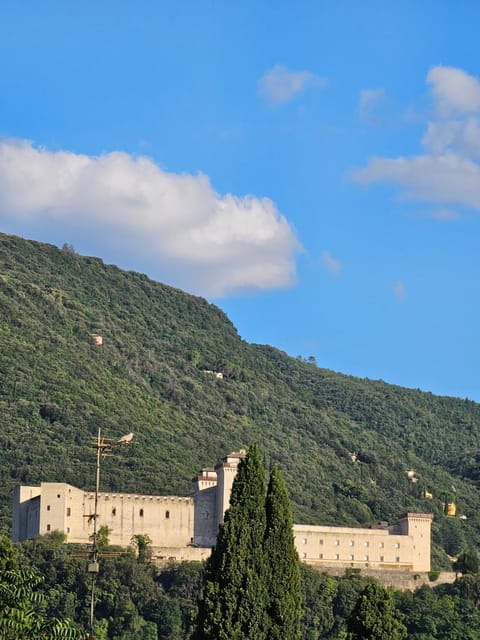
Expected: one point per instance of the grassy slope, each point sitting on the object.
(57, 387)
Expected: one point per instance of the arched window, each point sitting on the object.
(141, 513)
(167, 514)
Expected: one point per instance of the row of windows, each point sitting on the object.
(352, 557)
(140, 513)
(351, 543)
(114, 512)
(49, 528)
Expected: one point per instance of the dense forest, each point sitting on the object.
(137, 601)
(344, 444)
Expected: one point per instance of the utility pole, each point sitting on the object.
(104, 446)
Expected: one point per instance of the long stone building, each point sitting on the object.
(185, 528)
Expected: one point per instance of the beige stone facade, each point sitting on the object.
(406, 546)
(185, 528)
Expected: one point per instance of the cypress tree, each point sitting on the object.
(235, 592)
(284, 586)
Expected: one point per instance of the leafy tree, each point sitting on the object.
(143, 543)
(235, 595)
(284, 587)
(103, 537)
(318, 593)
(374, 616)
(467, 562)
(21, 615)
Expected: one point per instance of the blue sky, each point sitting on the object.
(312, 167)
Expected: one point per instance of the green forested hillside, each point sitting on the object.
(57, 387)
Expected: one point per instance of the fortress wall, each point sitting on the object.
(26, 512)
(205, 517)
(363, 548)
(168, 520)
(191, 524)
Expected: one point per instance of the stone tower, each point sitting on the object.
(226, 470)
(417, 526)
(205, 524)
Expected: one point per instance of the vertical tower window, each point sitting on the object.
(167, 515)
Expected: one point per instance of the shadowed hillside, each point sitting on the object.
(58, 386)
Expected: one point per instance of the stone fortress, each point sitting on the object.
(185, 528)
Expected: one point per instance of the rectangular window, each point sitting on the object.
(48, 507)
(321, 556)
(381, 545)
(320, 541)
(397, 559)
(304, 555)
(68, 529)
(397, 545)
(365, 558)
(352, 556)
(381, 558)
(351, 543)
(69, 511)
(48, 527)
(366, 543)
(337, 557)
(337, 542)
(304, 541)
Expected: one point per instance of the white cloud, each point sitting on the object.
(399, 290)
(448, 172)
(454, 91)
(442, 179)
(462, 136)
(369, 99)
(176, 223)
(279, 84)
(332, 265)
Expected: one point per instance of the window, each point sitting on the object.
(68, 529)
(141, 513)
(365, 558)
(352, 557)
(321, 556)
(167, 515)
(304, 541)
(366, 543)
(351, 543)
(397, 545)
(337, 542)
(69, 511)
(337, 557)
(48, 527)
(381, 558)
(114, 511)
(48, 507)
(304, 555)
(320, 541)
(397, 559)
(58, 495)
(381, 545)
